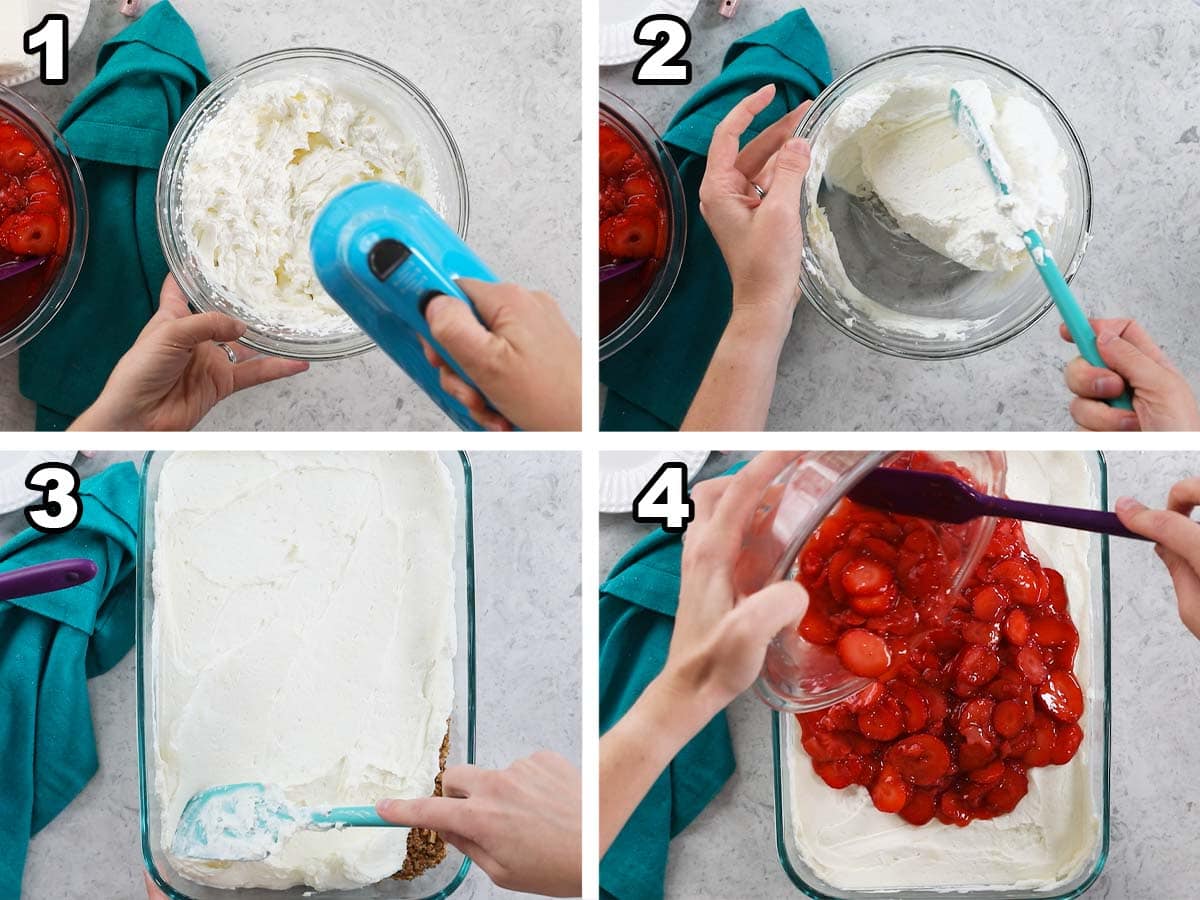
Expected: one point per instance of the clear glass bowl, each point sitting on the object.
(798, 676)
(440, 881)
(380, 88)
(923, 305)
(19, 110)
(616, 111)
(1098, 691)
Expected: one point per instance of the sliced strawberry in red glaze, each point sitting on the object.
(1061, 696)
(1057, 591)
(989, 603)
(1016, 627)
(953, 811)
(921, 758)
(1019, 579)
(1053, 632)
(827, 746)
(1031, 664)
(903, 620)
(882, 722)
(916, 708)
(1041, 751)
(29, 234)
(816, 628)
(629, 236)
(986, 634)
(867, 697)
(614, 150)
(976, 666)
(864, 653)
(865, 576)
(890, 793)
(989, 774)
(837, 774)
(920, 808)
(1004, 797)
(1066, 743)
(1011, 717)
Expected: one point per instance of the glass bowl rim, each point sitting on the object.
(1036, 311)
(352, 343)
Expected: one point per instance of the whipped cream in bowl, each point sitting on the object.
(254, 161)
(909, 249)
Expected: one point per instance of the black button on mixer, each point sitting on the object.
(386, 257)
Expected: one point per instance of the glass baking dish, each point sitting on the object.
(785, 739)
(440, 881)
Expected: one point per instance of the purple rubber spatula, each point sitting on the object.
(46, 577)
(944, 498)
(17, 266)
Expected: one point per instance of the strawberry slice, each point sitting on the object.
(1061, 696)
(989, 774)
(865, 576)
(866, 698)
(1016, 627)
(989, 603)
(816, 627)
(1066, 743)
(1041, 751)
(882, 722)
(890, 793)
(916, 707)
(976, 667)
(826, 747)
(629, 236)
(837, 774)
(614, 150)
(1030, 662)
(1005, 796)
(1022, 586)
(1011, 717)
(920, 808)
(29, 234)
(864, 653)
(1051, 632)
(874, 604)
(921, 758)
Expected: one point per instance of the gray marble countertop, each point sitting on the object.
(527, 630)
(505, 78)
(729, 851)
(1126, 75)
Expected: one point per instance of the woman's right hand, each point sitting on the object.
(1162, 398)
(1178, 542)
(761, 239)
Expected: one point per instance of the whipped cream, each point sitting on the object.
(1051, 834)
(259, 171)
(303, 636)
(895, 141)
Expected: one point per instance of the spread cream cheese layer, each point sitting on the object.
(258, 173)
(303, 636)
(896, 141)
(1053, 831)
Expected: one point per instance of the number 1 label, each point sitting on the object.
(49, 39)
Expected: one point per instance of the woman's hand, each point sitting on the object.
(762, 239)
(1178, 542)
(523, 357)
(178, 369)
(522, 825)
(717, 648)
(1162, 399)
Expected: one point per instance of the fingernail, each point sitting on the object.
(1106, 384)
(1130, 422)
(1128, 505)
(385, 807)
(1105, 337)
(434, 304)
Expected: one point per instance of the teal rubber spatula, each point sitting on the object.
(249, 822)
(1068, 307)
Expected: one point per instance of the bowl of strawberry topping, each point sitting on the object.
(43, 221)
(643, 224)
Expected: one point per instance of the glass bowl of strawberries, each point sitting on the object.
(643, 224)
(43, 221)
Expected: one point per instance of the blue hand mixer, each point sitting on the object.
(382, 253)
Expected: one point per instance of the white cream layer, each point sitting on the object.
(258, 173)
(1051, 834)
(895, 140)
(303, 635)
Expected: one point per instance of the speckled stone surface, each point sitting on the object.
(527, 620)
(505, 77)
(1126, 74)
(729, 852)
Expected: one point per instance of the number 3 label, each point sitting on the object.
(50, 40)
(664, 500)
(61, 507)
(670, 37)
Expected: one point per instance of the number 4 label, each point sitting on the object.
(670, 37)
(61, 507)
(664, 500)
(50, 40)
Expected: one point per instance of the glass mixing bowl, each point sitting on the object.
(363, 79)
(922, 305)
(627, 325)
(25, 324)
(799, 676)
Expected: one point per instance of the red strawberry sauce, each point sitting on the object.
(633, 222)
(35, 219)
(971, 690)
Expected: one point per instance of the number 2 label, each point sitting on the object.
(664, 500)
(670, 37)
(61, 507)
(49, 39)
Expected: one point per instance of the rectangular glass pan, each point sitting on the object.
(439, 881)
(785, 732)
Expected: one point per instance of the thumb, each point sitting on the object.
(791, 166)
(1174, 531)
(463, 337)
(1128, 361)
(193, 330)
(766, 613)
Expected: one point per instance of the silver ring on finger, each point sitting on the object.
(228, 351)
(762, 195)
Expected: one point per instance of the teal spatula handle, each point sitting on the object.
(351, 815)
(1077, 323)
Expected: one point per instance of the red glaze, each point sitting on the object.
(970, 690)
(633, 223)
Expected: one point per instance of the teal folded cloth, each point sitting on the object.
(637, 615)
(651, 383)
(50, 645)
(118, 127)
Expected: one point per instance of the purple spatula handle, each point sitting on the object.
(46, 577)
(1065, 516)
